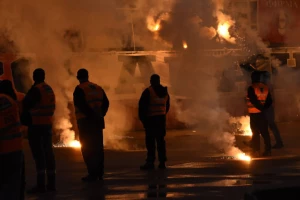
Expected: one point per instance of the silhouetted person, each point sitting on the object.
(154, 104)
(91, 105)
(270, 114)
(258, 100)
(38, 108)
(11, 153)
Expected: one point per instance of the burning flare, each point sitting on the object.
(184, 45)
(153, 25)
(223, 31)
(243, 156)
(75, 144)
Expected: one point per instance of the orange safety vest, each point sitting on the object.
(93, 96)
(157, 104)
(10, 125)
(261, 90)
(42, 113)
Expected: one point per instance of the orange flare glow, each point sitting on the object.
(243, 156)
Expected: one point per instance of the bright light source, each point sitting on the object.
(184, 44)
(75, 144)
(156, 28)
(223, 30)
(242, 156)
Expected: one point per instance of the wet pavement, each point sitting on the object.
(195, 171)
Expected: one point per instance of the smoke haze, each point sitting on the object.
(54, 29)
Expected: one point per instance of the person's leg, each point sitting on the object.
(161, 147)
(96, 160)
(255, 141)
(150, 145)
(11, 175)
(50, 159)
(86, 142)
(35, 143)
(270, 115)
(100, 154)
(263, 129)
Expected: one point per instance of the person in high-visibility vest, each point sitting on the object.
(270, 114)
(39, 107)
(258, 100)
(91, 105)
(154, 105)
(11, 153)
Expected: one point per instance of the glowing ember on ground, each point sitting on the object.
(184, 44)
(75, 144)
(243, 156)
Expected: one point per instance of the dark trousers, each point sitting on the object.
(270, 115)
(155, 136)
(259, 126)
(11, 183)
(91, 139)
(40, 141)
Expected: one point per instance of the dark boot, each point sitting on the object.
(51, 181)
(147, 166)
(162, 165)
(255, 154)
(41, 186)
(278, 146)
(266, 153)
(89, 178)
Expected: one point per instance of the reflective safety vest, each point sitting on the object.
(42, 113)
(261, 90)
(157, 104)
(94, 97)
(10, 125)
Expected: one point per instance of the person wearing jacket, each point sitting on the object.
(38, 111)
(154, 105)
(11, 151)
(91, 105)
(258, 101)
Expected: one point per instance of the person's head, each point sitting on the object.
(82, 75)
(266, 76)
(256, 77)
(6, 87)
(155, 80)
(39, 75)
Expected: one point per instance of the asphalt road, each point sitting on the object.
(196, 170)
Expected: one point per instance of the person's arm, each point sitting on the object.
(168, 104)
(144, 105)
(32, 98)
(269, 101)
(105, 104)
(253, 99)
(80, 102)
